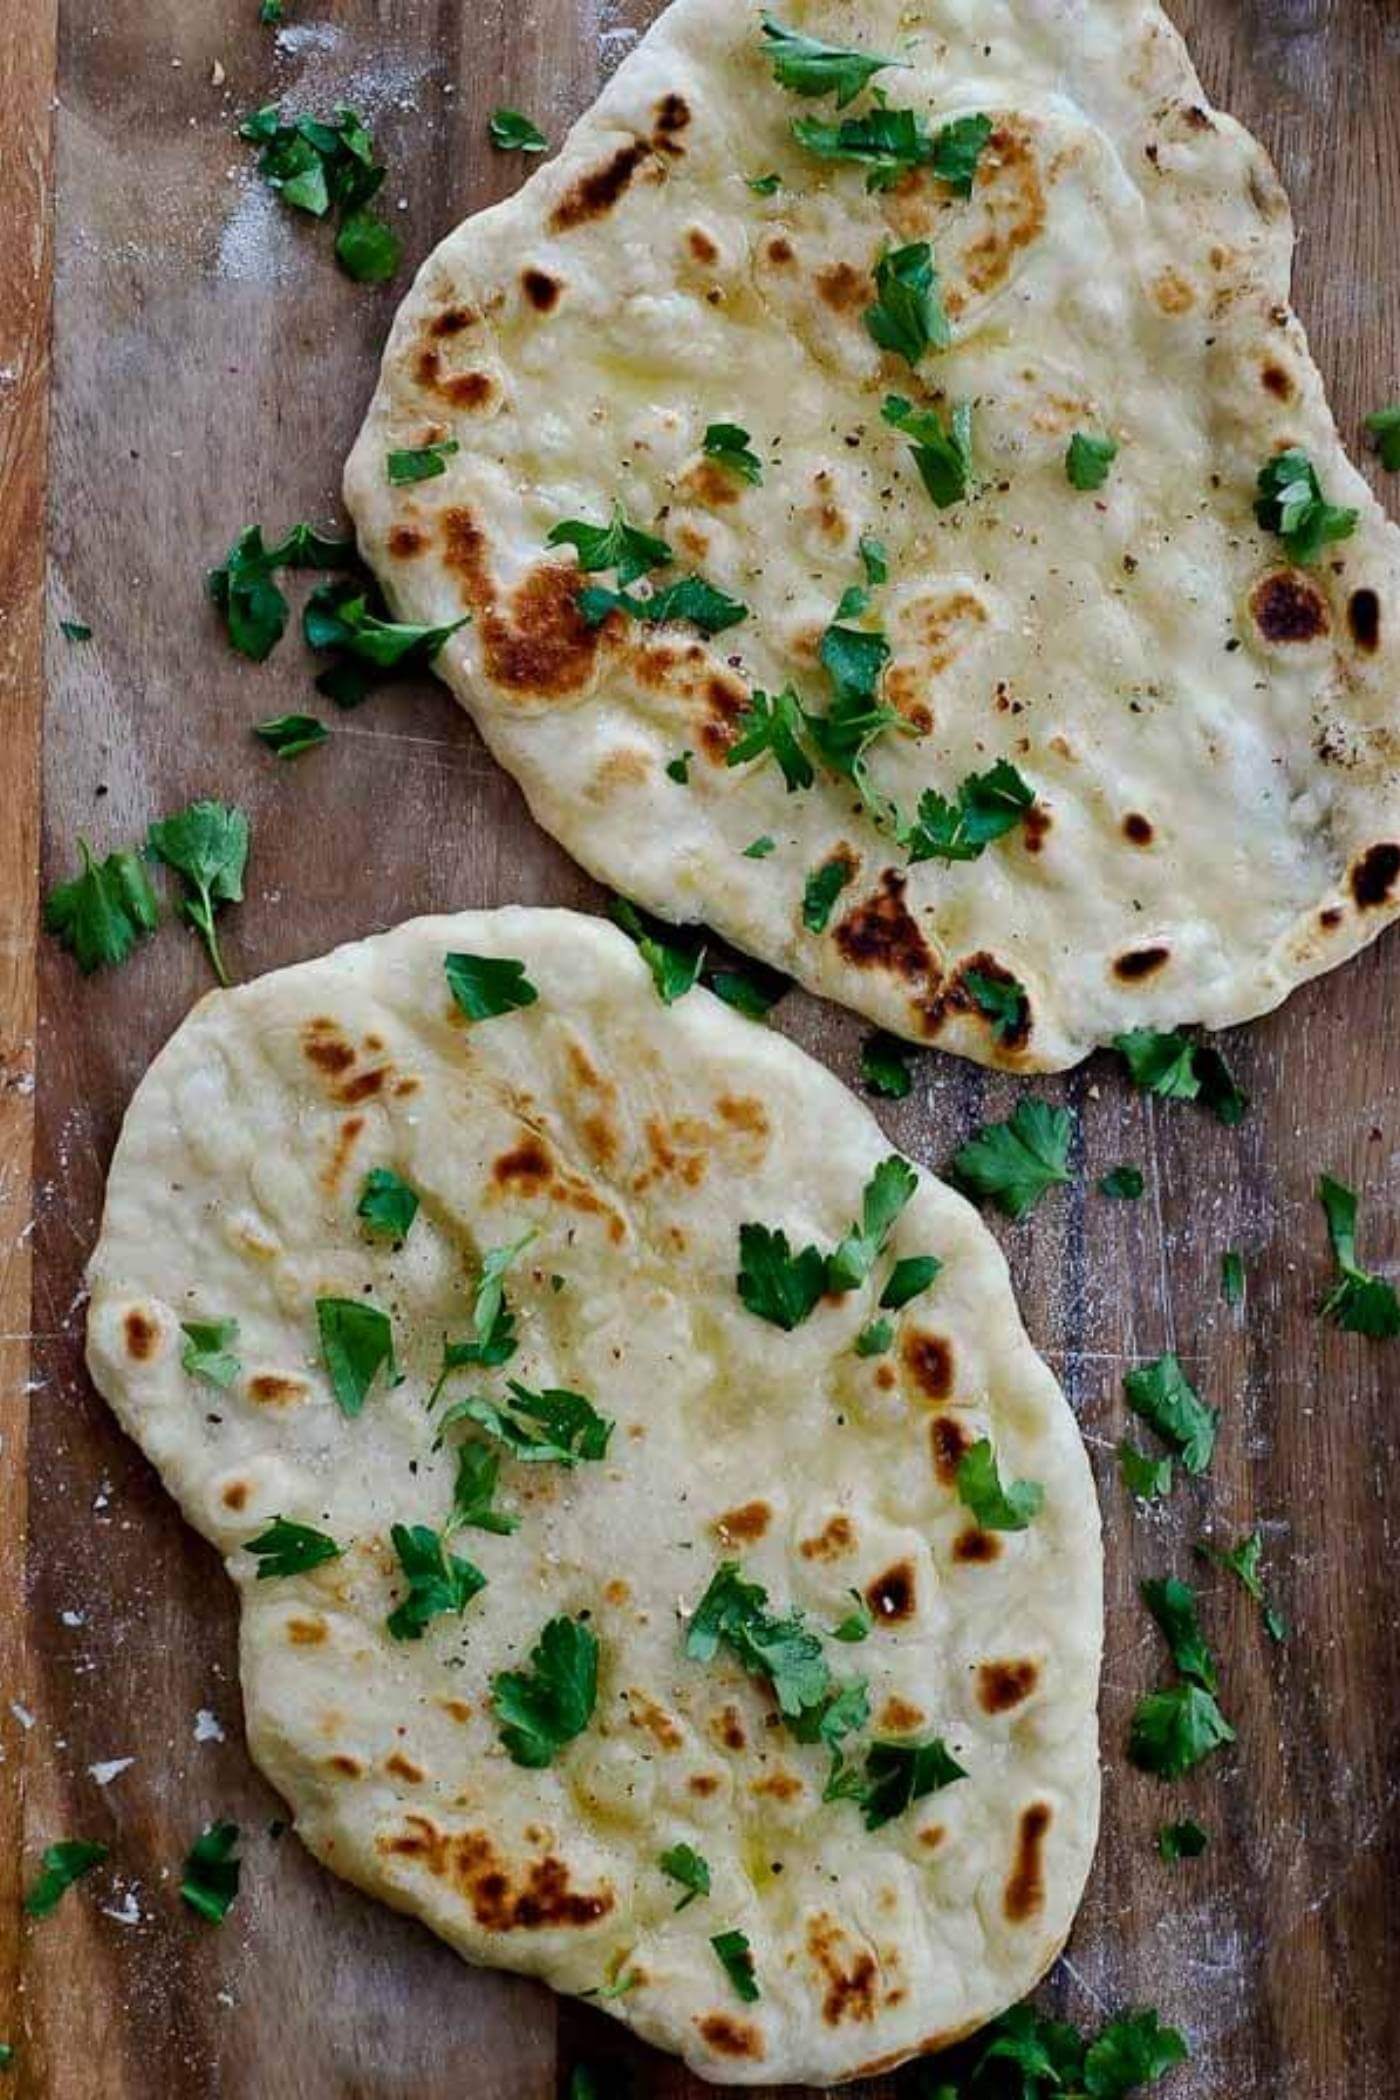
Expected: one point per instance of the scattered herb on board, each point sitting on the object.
(473, 1497)
(484, 986)
(318, 167)
(212, 1869)
(807, 66)
(995, 1507)
(688, 1867)
(244, 589)
(1164, 1397)
(288, 736)
(689, 598)
(207, 844)
(420, 462)
(387, 1205)
(438, 1581)
(618, 545)
(1089, 459)
(1384, 427)
(103, 913)
(1242, 1561)
(675, 966)
(987, 806)
(908, 317)
(727, 444)
(1232, 1276)
(1290, 502)
(1124, 1184)
(543, 1708)
(1359, 1302)
(1173, 1605)
(942, 452)
(60, 1866)
(340, 619)
(1014, 1164)
(208, 1351)
(1174, 1729)
(512, 132)
(357, 1343)
(1025, 2056)
(1171, 1065)
(886, 1065)
(1147, 1478)
(552, 1427)
(75, 631)
(1185, 1840)
(287, 1549)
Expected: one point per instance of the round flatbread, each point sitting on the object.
(862, 1465)
(1198, 712)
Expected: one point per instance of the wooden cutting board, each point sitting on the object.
(209, 368)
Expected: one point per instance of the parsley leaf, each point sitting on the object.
(542, 1709)
(821, 890)
(1132, 2051)
(494, 1342)
(1291, 503)
(899, 1774)
(875, 1339)
(1243, 1561)
(286, 1549)
(60, 1866)
(765, 185)
(886, 1194)
(288, 736)
(688, 598)
(785, 1652)
(760, 848)
(616, 545)
(995, 1507)
(102, 913)
(478, 1470)
(1017, 1162)
(1171, 1065)
(75, 631)
(1147, 1478)
(1359, 1303)
(1173, 1730)
(339, 616)
(857, 1625)
(387, 1204)
(1003, 1000)
(1124, 1183)
(1162, 1394)
(884, 141)
(367, 249)
(484, 986)
(207, 844)
(1050, 2056)
(244, 591)
(773, 723)
(675, 966)
(212, 1869)
(728, 445)
(776, 1284)
(513, 133)
(806, 66)
(909, 1279)
(875, 560)
(678, 769)
(958, 148)
(570, 1429)
(1384, 427)
(988, 806)
(753, 990)
(1088, 460)
(885, 1065)
(942, 454)
(908, 317)
(1173, 1605)
(736, 1959)
(315, 166)
(208, 1351)
(357, 1343)
(1184, 1840)
(1232, 1276)
(420, 462)
(685, 1865)
(438, 1581)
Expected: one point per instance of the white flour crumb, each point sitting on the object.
(207, 1728)
(127, 1912)
(112, 1769)
(73, 1618)
(21, 1714)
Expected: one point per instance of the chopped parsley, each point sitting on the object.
(908, 1280)
(1015, 1163)
(733, 1613)
(1242, 1561)
(1003, 1000)
(678, 769)
(875, 560)
(552, 1427)
(821, 890)
(420, 462)
(958, 148)
(340, 617)
(617, 545)
(387, 1204)
(357, 1343)
(773, 723)
(1022, 2056)
(942, 452)
(316, 167)
(103, 913)
(675, 965)
(885, 1196)
(728, 445)
(1173, 1730)
(484, 986)
(875, 1339)
(775, 1284)
(207, 1351)
(212, 1868)
(244, 588)
(1088, 460)
(753, 990)
(784, 1288)
(60, 1866)
(513, 133)
(74, 631)
(995, 1507)
(1125, 1184)
(1173, 1605)
(494, 1342)
(807, 66)
(207, 844)
(1290, 502)
(908, 318)
(288, 736)
(765, 185)
(1147, 1478)
(438, 1581)
(1164, 1397)
(1359, 1302)
(286, 1549)
(899, 1774)
(1171, 1065)
(1232, 1276)
(687, 1866)
(478, 1470)
(857, 1625)
(760, 848)
(7, 2055)
(689, 598)
(886, 1065)
(543, 1708)
(1384, 427)
(988, 806)
(735, 1957)
(886, 142)
(1184, 1840)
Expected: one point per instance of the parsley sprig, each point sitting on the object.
(1172, 1065)
(908, 317)
(1290, 502)
(1014, 1164)
(102, 914)
(807, 66)
(543, 1708)
(1165, 1398)
(1174, 1729)
(438, 1580)
(1359, 1302)
(207, 844)
(784, 1287)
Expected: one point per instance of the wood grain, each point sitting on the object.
(211, 369)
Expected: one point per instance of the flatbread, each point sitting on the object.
(633, 1140)
(1209, 729)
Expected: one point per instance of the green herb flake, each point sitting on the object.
(438, 1581)
(899, 1774)
(995, 1507)
(875, 1339)
(958, 148)
(357, 1343)
(478, 1471)
(886, 142)
(908, 317)
(804, 65)
(316, 166)
(1359, 1303)
(1088, 460)
(1147, 1478)
(287, 1549)
(367, 249)
(494, 1342)
(765, 185)
(728, 445)
(690, 599)
(1174, 1067)
(678, 769)
(341, 617)
(1015, 1163)
(103, 913)
(783, 1652)
(387, 1205)
(988, 806)
(857, 1625)
(244, 590)
(875, 560)
(420, 462)
(212, 1869)
(773, 723)
(74, 631)
(1123, 1184)
(821, 890)
(774, 1283)
(886, 1066)
(1184, 1840)
(7, 2056)
(736, 1959)
(908, 1280)
(675, 966)
(207, 1351)
(543, 1708)
(1174, 1730)
(1232, 1276)
(1173, 1605)
(885, 1196)
(760, 848)
(618, 545)
(1384, 427)
(206, 844)
(1131, 2051)
(288, 736)
(687, 1866)
(1164, 1397)
(1290, 503)
(942, 452)
(1003, 1000)
(1242, 1562)
(511, 132)
(1050, 2056)
(59, 1867)
(753, 990)
(552, 1427)
(485, 986)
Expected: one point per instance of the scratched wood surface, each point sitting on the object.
(210, 369)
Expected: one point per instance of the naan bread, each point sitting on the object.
(1209, 730)
(633, 1140)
